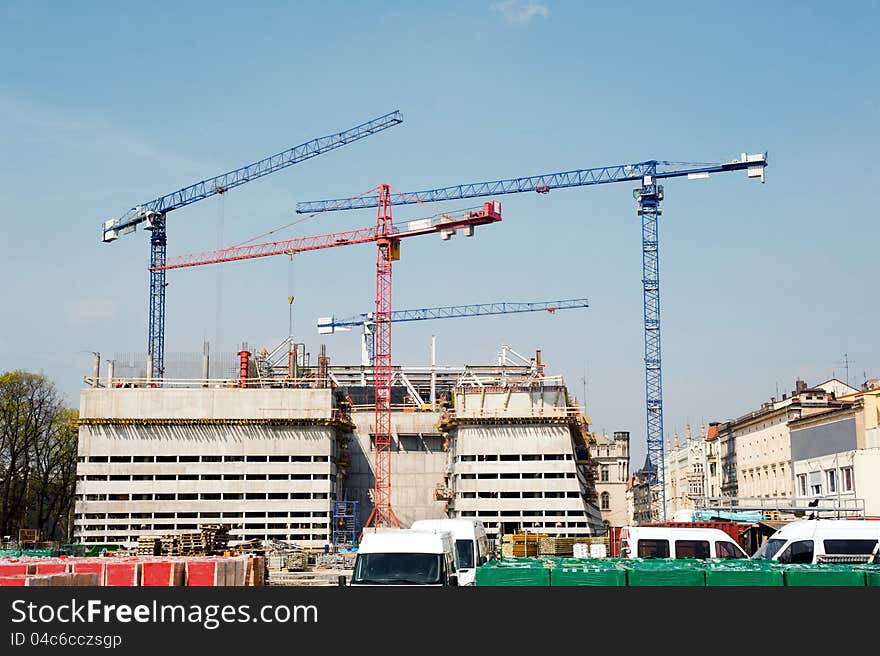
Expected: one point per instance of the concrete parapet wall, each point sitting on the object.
(205, 403)
(475, 402)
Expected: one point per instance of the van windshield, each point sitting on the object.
(768, 549)
(398, 569)
(464, 554)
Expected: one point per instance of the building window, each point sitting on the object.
(815, 484)
(603, 474)
(606, 501)
(831, 475)
(846, 473)
(802, 485)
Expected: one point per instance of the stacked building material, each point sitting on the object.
(557, 546)
(132, 571)
(295, 561)
(170, 545)
(590, 573)
(256, 571)
(66, 579)
(521, 545)
(216, 537)
(149, 546)
(192, 544)
(525, 572)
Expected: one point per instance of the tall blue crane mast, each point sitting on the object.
(648, 195)
(153, 213)
(330, 325)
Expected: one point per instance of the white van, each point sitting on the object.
(823, 540)
(676, 542)
(405, 557)
(471, 543)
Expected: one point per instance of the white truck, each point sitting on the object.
(823, 540)
(677, 542)
(471, 543)
(405, 557)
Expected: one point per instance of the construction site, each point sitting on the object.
(290, 456)
(283, 458)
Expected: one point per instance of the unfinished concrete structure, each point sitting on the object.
(520, 458)
(155, 461)
(268, 453)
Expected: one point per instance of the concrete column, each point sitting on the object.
(206, 363)
(433, 370)
(149, 367)
(96, 369)
(110, 367)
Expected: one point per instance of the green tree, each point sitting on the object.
(38, 445)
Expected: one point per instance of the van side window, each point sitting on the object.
(727, 550)
(858, 547)
(691, 548)
(653, 548)
(798, 552)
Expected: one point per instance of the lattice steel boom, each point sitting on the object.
(648, 196)
(153, 215)
(329, 325)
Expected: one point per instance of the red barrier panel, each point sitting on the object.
(51, 567)
(162, 573)
(203, 572)
(12, 581)
(17, 569)
(97, 566)
(124, 573)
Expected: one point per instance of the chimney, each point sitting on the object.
(799, 385)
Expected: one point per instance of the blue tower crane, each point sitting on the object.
(330, 325)
(152, 214)
(648, 196)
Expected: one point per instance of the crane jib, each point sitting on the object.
(222, 183)
(636, 172)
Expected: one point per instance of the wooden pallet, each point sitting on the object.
(149, 546)
(556, 546)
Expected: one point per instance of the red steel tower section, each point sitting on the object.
(388, 251)
(387, 239)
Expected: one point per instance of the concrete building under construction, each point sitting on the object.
(270, 449)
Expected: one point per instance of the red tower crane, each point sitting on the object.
(387, 238)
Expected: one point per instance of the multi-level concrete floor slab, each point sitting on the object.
(269, 457)
(155, 461)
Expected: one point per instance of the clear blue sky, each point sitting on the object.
(105, 105)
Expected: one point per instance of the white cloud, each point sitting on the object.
(517, 11)
(40, 124)
(86, 311)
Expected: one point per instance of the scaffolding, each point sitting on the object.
(345, 528)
